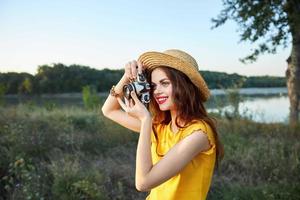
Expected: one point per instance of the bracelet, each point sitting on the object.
(113, 92)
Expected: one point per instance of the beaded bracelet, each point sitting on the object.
(113, 92)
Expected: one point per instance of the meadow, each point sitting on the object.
(52, 152)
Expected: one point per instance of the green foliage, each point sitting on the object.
(74, 153)
(13, 81)
(268, 22)
(224, 80)
(261, 161)
(234, 99)
(25, 87)
(262, 192)
(62, 154)
(228, 105)
(22, 181)
(90, 98)
(66, 79)
(2, 92)
(50, 106)
(75, 181)
(264, 81)
(60, 78)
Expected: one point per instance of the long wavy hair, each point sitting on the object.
(189, 107)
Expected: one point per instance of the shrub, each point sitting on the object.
(90, 98)
(72, 180)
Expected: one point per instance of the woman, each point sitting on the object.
(178, 144)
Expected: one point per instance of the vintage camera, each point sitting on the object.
(141, 88)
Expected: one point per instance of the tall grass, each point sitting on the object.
(61, 154)
(74, 153)
(262, 161)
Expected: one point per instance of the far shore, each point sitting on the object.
(244, 91)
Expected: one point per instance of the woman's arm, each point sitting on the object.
(143, 153)
(111, 108)
(148, 175)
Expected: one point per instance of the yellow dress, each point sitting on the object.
(193, 181)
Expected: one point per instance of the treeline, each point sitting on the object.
(223, 80)
(59, 78)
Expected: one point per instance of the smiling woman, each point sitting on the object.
(178, 143)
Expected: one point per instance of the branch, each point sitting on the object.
(257, 19)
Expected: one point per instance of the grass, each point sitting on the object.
(73, 153)
(262, 161)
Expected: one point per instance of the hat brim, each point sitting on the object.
(151, 60)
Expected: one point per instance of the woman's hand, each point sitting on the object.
(134, 107)
(132, 68)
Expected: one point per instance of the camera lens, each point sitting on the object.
(146, 98)
(127, 90)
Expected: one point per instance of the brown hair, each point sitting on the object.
(187, 99)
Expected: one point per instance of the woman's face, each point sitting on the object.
(162, 90)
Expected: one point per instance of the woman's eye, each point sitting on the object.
(165, 83)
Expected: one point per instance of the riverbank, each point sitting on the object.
(268, 104)
(253, 91)
(242, 91)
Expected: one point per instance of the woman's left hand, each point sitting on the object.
(134, 107)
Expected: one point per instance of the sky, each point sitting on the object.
(108, 34)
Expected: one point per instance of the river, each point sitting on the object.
(259, 104)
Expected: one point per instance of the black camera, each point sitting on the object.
(141, 88)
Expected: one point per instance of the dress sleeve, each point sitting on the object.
(205, 128)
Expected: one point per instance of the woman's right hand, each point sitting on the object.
(111, 107)
(131, 69)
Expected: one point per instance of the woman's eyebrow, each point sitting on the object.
(161, 80)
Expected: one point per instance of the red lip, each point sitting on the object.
(161, 100)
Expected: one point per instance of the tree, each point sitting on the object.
(269, 24)
(90, 98)
(26, 87)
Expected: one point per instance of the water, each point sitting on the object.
(254, 91)
(260, 108)
(259, 104)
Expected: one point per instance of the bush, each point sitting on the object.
(74, 153)
(90, 98)
(72, 180)
(2, 93)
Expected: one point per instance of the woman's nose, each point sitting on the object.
(156, 90)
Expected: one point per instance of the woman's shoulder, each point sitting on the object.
(198, 125)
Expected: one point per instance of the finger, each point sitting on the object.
(122, 104)
(135, 98)
(133, 69)
(131, 103)
(128, 70)
(126, 102)
(140, 67)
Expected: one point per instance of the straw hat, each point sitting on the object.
(179, 60)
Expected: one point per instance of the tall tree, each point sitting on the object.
(269, 24)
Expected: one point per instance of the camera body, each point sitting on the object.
(141, 87)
